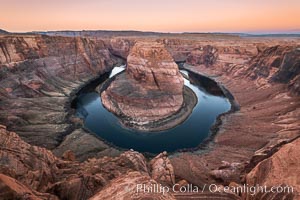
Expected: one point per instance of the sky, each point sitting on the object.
(250, 16)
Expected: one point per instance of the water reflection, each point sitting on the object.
(189, 134)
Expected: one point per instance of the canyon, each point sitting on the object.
(46, 153)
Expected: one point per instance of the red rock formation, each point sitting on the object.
(39, 172)
(13, 189)
(33, 166)
(38, 74)
(206, 55)
(127, 187)
(121, 46)
(150, 90)
(281, 169)
(276, 63)
(228, 172)
(162, 170)
(151, 64)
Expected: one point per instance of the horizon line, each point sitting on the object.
(165, 32)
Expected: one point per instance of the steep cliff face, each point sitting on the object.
(37, 76)
(151, 64)
(150, 90)
(263, 62)
(277, 64)
(206, 55)
(41, 58)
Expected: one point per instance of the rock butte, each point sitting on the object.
(150, 90)
(39, 75)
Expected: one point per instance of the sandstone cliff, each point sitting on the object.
(150, 90)
(38, 75)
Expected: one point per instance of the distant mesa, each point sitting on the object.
(150, 95)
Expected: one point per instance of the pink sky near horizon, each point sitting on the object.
(154, 15)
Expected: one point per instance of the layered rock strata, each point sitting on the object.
(268, 117)
(39, 173)
(280, 170)
(38, 77)
(31, 172)
(149, 91)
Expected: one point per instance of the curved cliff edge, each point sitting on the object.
(259, 144)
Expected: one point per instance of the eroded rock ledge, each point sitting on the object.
(31, 172)
(150, 91)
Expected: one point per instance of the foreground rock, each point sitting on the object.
(280, 170)
(151, 90)
(162, 169)
(38, 172)
(33, 166)
(30, 172)
(131, 186)
(227, 172)
(13, 189)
